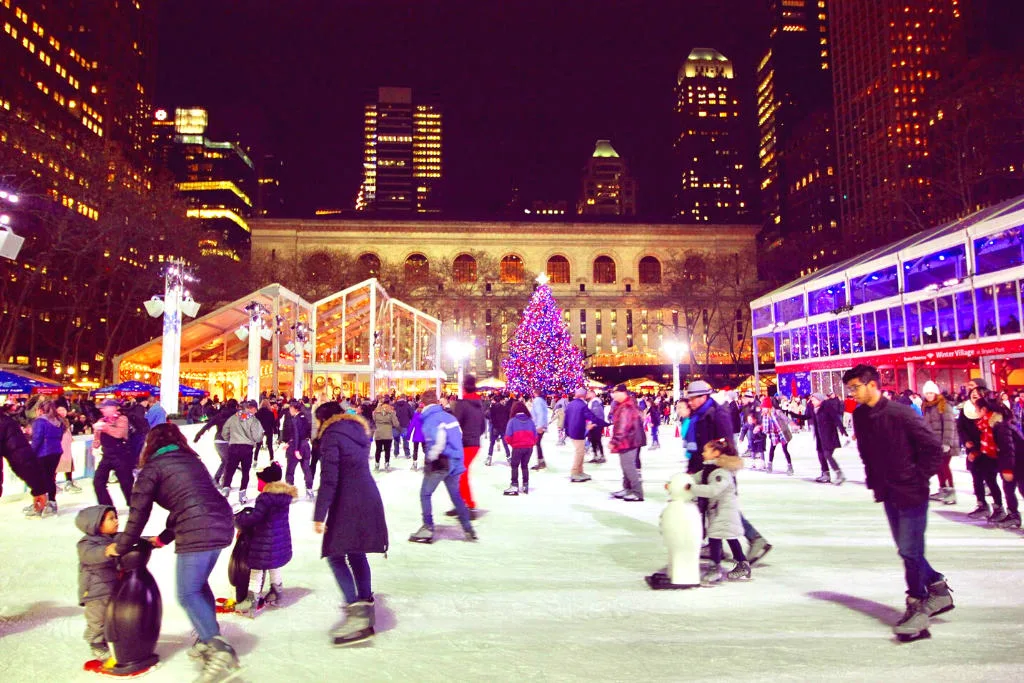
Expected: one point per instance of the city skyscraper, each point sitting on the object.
(608, 188)
(217, 179)
(888, 57)
(712, 186)
(269, 198)
(796, 145)
(401, 153)
(75, 88)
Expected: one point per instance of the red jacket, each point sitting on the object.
(627, 427)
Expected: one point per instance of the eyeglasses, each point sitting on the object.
(854, 388)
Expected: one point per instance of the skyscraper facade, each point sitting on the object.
(401, 153)
(888, 57)
(794, 87)
(75, 89)
(712, 170)
(608, 188)
(217, 179)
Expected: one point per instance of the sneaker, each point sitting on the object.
(1011, 521)
(741, 572)
(712, 577)
(511, 491)
(997, 516)
(578, 478)
(632, 497)
(840, 478)
(221, 662)
(541, 465)
(939, 600)
(620, 494)
(72, 487)
(914, 620)
(824, 478)
(980, 511)
(758, 549)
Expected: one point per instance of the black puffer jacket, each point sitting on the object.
(18, 451)
(827, 424)
(900, 452)
(713, 422)
(469, 411)
(200, 517)
(271, 544)
(348, 498)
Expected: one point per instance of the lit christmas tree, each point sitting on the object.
(541, 355)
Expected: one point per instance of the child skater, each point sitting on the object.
(717, 483)
(756, 440)
(97, 572)
(271, 545)
(521, 435)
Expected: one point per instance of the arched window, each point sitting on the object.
(369, 264)
(318, 266)
(604, 270)
(511, 269)
(558, 270)
(416, 267)
(464, 268)
(650, 271)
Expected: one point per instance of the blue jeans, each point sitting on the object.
(908, 526)
(354, 582)
(194, 594)
(431, 480)
(401, 439)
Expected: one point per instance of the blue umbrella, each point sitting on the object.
(11, 383)
(129, 387)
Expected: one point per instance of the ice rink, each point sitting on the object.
(554, 589)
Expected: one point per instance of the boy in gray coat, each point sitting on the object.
(97, 572)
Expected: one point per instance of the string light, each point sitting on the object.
(541, 355)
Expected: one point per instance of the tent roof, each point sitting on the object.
(210, 332)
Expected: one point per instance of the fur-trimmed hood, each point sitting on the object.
(939, 403)
(281, 487)
(343, 416)
(733, 463)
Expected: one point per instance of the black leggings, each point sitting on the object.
(594, 436)
(238, 454)
(385, 445)
(48, 463)
(521, 460)
(785, 451)
(416, 450)
(715, 546)
(984, 470)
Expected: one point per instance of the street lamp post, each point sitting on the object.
(298, 347)
(675, 350)
(255, 332)
(176, 300)
(459, 350)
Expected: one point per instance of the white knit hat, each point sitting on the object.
(930, 387)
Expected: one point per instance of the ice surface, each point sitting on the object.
(554, 590)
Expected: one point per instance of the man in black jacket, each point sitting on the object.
(299, 433)
(498, 415)
(404, 412)
(900, 455)
(16, 448)
(269, 423)
(827, 423)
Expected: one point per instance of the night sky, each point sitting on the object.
(527, 87)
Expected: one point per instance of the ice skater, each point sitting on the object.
(717, 483)
(901, 453)
(350, 515)
(97, 572)
(443, 463)
(627, 439)
(521, 435)
(270, 548)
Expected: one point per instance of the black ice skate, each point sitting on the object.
(660, 581)
(980, 511)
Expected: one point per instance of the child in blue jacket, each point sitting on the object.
(521, 435)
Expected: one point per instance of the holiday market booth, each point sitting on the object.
(274, 341)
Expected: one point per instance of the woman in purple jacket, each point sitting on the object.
(47, 431)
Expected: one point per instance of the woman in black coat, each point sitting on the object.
(200, 523)
(350, 503)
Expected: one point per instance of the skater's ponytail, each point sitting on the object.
(161, 436)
